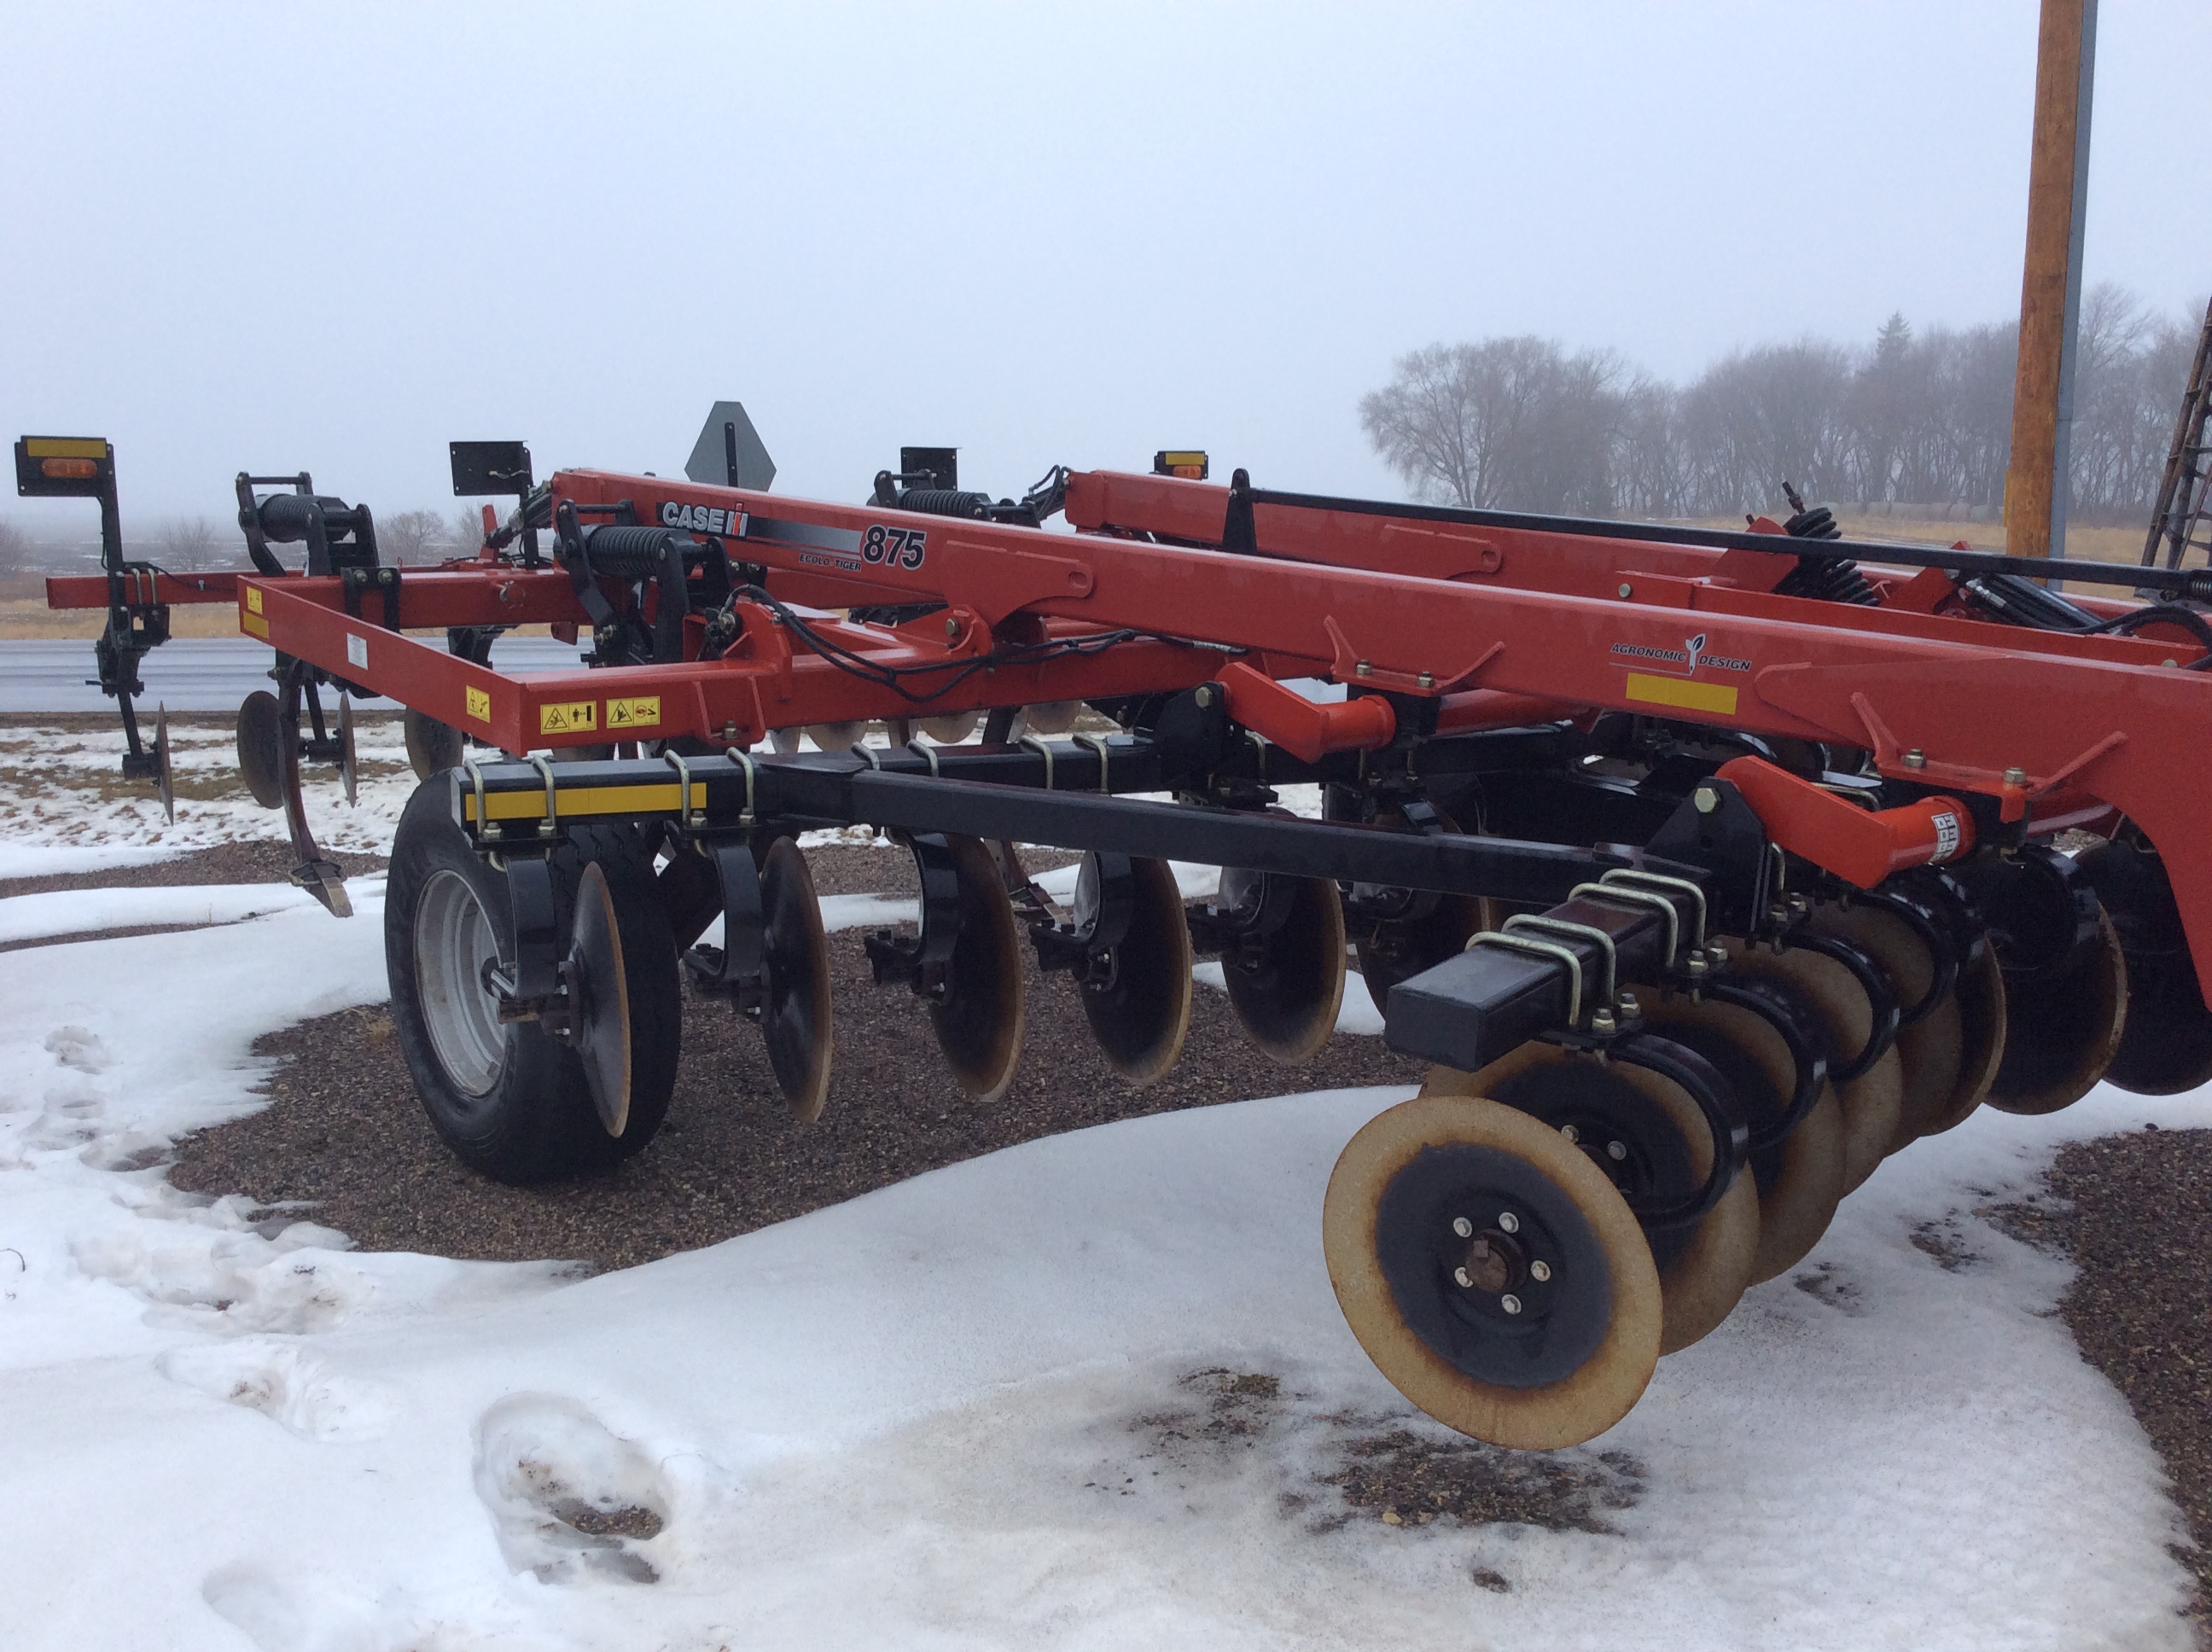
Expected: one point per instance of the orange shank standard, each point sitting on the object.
(1308, 729)
(1861, 846)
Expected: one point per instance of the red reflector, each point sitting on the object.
(69, 469)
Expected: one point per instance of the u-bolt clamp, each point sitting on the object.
(1585, 932)
(1042, 747)
(692, 821)
(1633, 877)
(1097, 744)
(1534, 948)
(544, 766)
(743, 759)
(1621, 895)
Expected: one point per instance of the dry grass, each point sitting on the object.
(2104, 544)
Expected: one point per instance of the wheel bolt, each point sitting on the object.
(1571, 1132)
(1465, 1281)
(1540, 1271)
(1509, 1302)
(1462, 1227)
(1508, 1223)
(1616, 1150)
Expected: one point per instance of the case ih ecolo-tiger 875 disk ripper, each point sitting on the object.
(1708, 868)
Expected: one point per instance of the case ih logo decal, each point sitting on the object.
(702, 518)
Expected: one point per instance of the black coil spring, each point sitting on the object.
(945, 501)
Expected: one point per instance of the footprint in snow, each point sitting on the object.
(79, 1047)
(287, 1384)
(569, 1498)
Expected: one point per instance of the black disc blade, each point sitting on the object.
(602, 1009)
(979, 1020)
(1141, 1014)
(795, 1014)
(432, 746)
(1287, 999)
(260, 748)
(164, 779)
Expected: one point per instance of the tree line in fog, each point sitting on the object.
(1916, 417)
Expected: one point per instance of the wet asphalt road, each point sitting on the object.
(192, 673)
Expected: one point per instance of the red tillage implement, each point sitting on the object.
(1708, 868)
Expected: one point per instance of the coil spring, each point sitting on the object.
(623, 552)
(945, 501)
(1824, 579)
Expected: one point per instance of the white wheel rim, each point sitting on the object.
(453, 941)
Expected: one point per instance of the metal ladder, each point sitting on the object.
(2184, 494)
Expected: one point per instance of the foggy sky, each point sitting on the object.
(299, 237)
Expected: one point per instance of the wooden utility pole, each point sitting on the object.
(2051, 287)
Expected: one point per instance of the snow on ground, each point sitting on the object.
(952, 1413)
(63, 788)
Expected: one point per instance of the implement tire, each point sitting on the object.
(511, 1100)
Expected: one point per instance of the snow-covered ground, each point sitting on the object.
(954, 1412)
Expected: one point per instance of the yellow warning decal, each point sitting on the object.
(577, 802)
(480, 704)
(65, 447)
(253, 598)
(570, 717)
(1681, 691)
(642, 711)
(255, 624)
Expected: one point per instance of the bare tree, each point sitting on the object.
(1509, 423)
(465, 537)
(188, 545)
(14, 549)
(1917, 418)
(412, 537)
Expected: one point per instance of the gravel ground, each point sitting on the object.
(226, 863)
(2135, 1213)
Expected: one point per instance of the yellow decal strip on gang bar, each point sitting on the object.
(1682, 692)
(662, 799)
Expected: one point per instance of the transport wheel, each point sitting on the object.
(1554, 1334)
(512, 1101)
(261, 748)
(1140, 1013)
(2166, 1047)
(978, 1019)
(2062, 1027)
(1874, 1102)
(1287, 1002)
(794, 1011)
(1647, 1136)
(1930, 1050)
(1801, 1179)
(433, 747)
